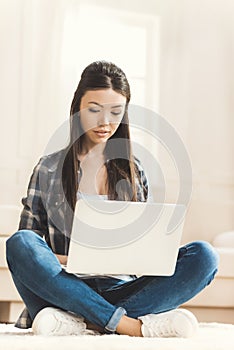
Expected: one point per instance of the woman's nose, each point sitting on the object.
(103, 118)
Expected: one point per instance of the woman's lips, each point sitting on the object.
(101, 133)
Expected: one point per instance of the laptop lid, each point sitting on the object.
(116, 237)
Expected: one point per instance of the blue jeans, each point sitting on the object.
(42, 282)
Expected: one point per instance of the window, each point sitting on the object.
(130, 40)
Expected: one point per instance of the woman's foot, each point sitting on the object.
(52, 321)
(174, 323)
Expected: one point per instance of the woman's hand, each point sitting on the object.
(62, 259)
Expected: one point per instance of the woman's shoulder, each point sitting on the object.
(50, 162)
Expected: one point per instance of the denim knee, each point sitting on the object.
(18, 242)
(208, 252)
(207, 257)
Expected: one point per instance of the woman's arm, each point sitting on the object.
(33, 216)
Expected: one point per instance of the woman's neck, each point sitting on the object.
(91, 151)
(94, 174)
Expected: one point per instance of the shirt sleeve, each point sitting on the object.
(150, 197)
(142, 183)
(33, 216)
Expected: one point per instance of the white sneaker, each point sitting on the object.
(174, 323)
(52, 321)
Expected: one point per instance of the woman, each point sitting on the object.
(61, 303)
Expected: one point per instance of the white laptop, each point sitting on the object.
(117, 237)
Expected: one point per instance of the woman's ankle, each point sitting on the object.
(129, 326)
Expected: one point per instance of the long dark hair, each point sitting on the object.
(121, 171)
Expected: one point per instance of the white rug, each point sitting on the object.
(211, 336)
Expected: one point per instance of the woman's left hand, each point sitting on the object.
(62, 259)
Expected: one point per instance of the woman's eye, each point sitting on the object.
(116, 113)
(93, 110)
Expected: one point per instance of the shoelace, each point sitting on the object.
(69, 324)
(162, 327)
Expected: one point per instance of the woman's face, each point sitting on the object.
(101, 112)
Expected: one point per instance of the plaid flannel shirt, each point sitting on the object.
(47, 212)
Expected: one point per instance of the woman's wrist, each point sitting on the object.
(62, 259)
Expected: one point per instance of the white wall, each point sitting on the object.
(197, 98)
(29, 91)
(195, 84)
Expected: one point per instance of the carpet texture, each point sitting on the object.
(210, 336)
